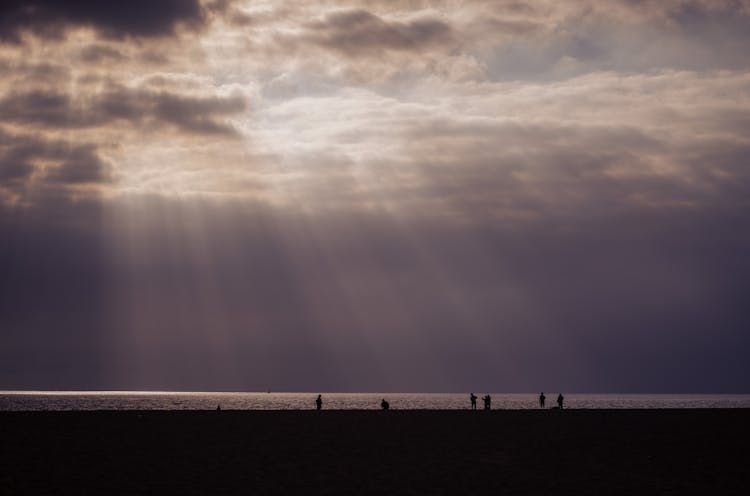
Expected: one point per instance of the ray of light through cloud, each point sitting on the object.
(401, 195)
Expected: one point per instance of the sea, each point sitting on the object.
(166, 400)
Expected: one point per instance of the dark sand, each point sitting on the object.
(350, 452)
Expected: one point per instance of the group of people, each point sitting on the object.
(486, 398)
(560, 400)
(488, 401)
(472, 398)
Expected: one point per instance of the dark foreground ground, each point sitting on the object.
(396, 452)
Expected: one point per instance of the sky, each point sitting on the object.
(404, 195)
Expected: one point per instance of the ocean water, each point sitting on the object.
(135, 400)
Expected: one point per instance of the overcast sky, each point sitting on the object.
(409, 195)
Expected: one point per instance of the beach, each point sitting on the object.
(394, 452)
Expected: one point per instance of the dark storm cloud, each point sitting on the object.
(80, 165)
(51, 109)
(14, 159)
(41, 107)
(34, 170)
(196, 114)
(116, 19)
(95, 54)
(23, 74)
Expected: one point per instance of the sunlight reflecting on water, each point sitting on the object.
(134, 400)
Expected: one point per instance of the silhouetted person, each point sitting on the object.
(560, 399)
(487, 401)
(384, 405)
(319, 403)
(218, 408)
(473, 399)
(541, 400)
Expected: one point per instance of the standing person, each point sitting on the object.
(319, 403)
(560, 399)
(541, 400)
(487, 402)
(473, 399)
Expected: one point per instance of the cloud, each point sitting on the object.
(35, 169)
(112, 19)
(80, 165)
(357, 32)
(389, 42)
(195, 114)
(518, 150)
(39, 107)
(94, 54)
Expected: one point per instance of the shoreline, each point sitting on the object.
(393, 410)
(346, 401)
(312, 408)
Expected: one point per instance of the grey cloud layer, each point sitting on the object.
(47, 110)
(138, 107)
(512, 40)
(34, 170)
(357, 32)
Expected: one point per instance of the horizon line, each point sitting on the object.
(167, 392)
